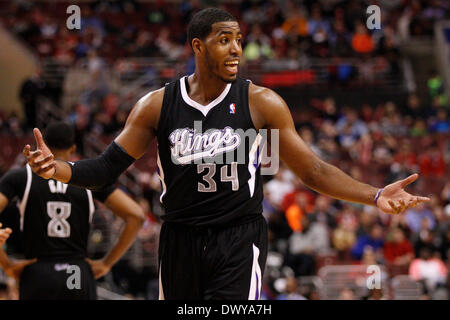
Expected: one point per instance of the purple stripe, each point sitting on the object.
(257, 286)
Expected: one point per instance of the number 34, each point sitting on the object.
(224, 177)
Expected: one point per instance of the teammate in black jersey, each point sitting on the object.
(55, 220)
(213, 242)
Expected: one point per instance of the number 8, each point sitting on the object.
(59, 212)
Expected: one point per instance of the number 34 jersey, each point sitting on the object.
(209, 157)
(54, 217)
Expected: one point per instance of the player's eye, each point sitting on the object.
(224, 40)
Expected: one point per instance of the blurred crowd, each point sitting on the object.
(272, 28)
(377, 144)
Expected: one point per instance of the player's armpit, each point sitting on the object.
(141, 124)
(271, 112)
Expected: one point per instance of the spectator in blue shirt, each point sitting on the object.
(374, 240)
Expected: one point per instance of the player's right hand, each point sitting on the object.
(14, 270)
(41, 160)
(4, 234)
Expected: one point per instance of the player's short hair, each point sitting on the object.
(59, 135)
(201, 23)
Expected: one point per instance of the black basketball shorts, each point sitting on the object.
(58, 279)
(211, 263)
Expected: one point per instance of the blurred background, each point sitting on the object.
(372, 102)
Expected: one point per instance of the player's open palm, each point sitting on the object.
(41, 160)
(394, 199)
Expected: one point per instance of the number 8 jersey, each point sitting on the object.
(54, 217)
(209, 158)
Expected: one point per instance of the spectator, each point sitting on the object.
(398, 250)
(291, 292)
(30, 91)
(375, 240)
(303, 246)
(278, 187)
(415, 217)
(362, 42)
(429, 269)
(258, 45)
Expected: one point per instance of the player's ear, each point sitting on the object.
(197, 46)
(73, 149)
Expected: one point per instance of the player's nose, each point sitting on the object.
(236, 48)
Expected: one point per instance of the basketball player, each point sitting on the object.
(213, 242)
(55, 220)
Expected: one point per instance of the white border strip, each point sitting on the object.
(255, 281)
(203, 109)
(24, 200)
(91, 205)
(251, 160)
(161, 177)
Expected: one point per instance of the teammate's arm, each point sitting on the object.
(273, 113)
(4, 235)
(130, 145)
(127, 209)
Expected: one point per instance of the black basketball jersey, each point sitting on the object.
(209, 157)
(54, 217)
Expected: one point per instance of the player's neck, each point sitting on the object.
(61, 155)
(204, 87)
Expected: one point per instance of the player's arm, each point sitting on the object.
(271, 112)
(104, 170)
(4, 235)
(133, 215)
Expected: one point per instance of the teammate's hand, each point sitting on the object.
(4, 234)
(41, 160)
(394, 199)
(99, 267)
(14, 270)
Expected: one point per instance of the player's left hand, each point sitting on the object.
(4, 234)
(15, 269)
(99, 267)
(395, 200)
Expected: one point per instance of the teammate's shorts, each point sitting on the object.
(58, 279)
(212, 264)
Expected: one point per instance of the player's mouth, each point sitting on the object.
(232, 66)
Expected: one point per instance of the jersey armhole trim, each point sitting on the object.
(26, 193)
(91, 205)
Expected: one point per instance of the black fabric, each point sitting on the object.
(55, 216)
(12, 184)
(212, 263)
(49, 279)
(103, 171)
(233, 194)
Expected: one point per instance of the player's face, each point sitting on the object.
(224, 50)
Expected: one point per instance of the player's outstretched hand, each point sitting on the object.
(14, 270)
(4, 234)
(394, 199)
(99, 267)
(41, 160)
